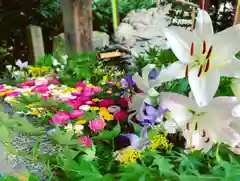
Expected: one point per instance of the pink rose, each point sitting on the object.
(79, 84)
(97, 125)
(106, 103)
(88, 91)
(85, 141)
(76, 114)
(121, 116)
(60, 118)
(75, 103)
(97, 89)
(40, 89)
(29, 82)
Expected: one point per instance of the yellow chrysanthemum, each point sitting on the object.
(78, 89)
(81, 122)
(128, 155)
(160, 141)
(94, 108)
(95, 100)
(30, 105)
(105, 114)
(35, 112)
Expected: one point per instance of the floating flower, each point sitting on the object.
(60, 118)
(85, 141)
(97, 125)
(189, 118)
(114, 109)
(204, 56)
(85, 107)
(40, 89)
(76, 114)
(106, 103)
(21, 64)
(150, 115)
(121, 116)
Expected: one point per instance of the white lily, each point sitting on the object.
(150, 78)
(202, 126)
(21, 64)
(204, 56)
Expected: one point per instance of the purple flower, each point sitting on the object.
(129, 79)
(149, 114)
(153, 74)
(139, 142)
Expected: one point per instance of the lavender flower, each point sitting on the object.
(150, 115)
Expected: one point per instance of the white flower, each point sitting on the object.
(64, 58)
(204, 56)
(114, 109)
(77, 128)
(212, 122)
(150, 78)
(55, 62)
(41, 81)
(9, 68)
(170, 126)
(85, 107)
(21, 64)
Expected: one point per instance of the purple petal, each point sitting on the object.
(144, 133)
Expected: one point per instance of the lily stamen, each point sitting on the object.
(187, 126)
(209, 53)
(203, 133)
(204, 47)
(207, 65)
(200, 71)
(192, 49)
(196, 126)
(186, 71)
(208, 139)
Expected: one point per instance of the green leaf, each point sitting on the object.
(70, 153)
(108, 135)
(164, 166)
(108, 177)
(63, 137)
(36, 147)
(5, 133)
(131, 172)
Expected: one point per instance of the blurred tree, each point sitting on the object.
(77, 20)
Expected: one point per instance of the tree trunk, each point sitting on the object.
(77, 20)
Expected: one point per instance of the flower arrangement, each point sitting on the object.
(125, 128)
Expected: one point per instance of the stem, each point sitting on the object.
(193, 17)
(115, 14)
(202, 4)
(236, 14)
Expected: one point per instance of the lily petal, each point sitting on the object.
(173, 71)
(231, 69)
(205, 86)
(180, 40)
(203, 26)
(179, 107)
(229, 37)
(140, 82)
(236, 111)
(145, 72)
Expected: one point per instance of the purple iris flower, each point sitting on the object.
(129, 79)
(139, 142)
(153, 74)
(150, 114)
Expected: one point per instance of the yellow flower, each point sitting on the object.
(94, 108)
(69, 89)
(27, 92)
(128, 155)
(160, 141)
(105, 78)
(89, 85)
(30, 105)
(35, 112)
(108, 117)
(5, 93)
(81, 122)
(103, 109)
(95, 100)
(118, 84)
(78, 89)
